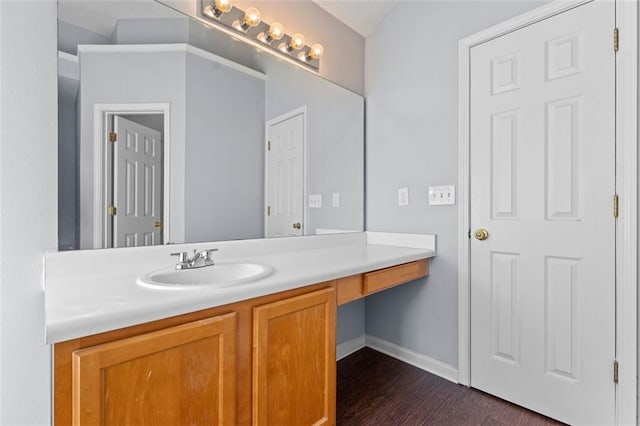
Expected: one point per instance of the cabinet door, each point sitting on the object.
(180, 375)
(294, 360)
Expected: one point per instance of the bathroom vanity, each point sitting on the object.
(266, 357)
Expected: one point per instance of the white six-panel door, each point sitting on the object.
(285, 177)
(137, 185)
(542, 138)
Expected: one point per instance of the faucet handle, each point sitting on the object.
(206, 256)
(182, 256)
(208, 252)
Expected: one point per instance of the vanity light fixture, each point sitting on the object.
(218, 7)
(249, 24)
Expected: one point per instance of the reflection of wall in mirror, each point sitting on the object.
(201, 148)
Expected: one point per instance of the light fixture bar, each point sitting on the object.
(248, 23)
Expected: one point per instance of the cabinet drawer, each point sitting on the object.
(389, 277)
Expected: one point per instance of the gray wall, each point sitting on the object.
(70, 36)
(28, 205)
(68, 234)
(152, 121)
(351, 321)
(152, 30)
(224, 184)
(412, 120)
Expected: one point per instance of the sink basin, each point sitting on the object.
(218, 275)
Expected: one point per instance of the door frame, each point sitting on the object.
(626, 15)
(304, 110)
(101, 128)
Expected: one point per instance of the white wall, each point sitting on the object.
(411, 87)
(28, 204)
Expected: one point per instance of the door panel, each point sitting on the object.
(137, 174)
(542, 134)
(285, 177)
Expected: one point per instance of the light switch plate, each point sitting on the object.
(315, 201)
(335, 199)
(403, 196)
(442, 195)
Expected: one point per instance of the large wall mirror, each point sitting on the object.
(171, 131)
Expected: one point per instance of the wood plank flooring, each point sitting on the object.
(375, 389)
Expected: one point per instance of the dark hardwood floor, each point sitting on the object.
(375, 389)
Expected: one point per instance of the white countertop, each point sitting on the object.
(89, 292)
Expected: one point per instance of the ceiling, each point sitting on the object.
(361, 15)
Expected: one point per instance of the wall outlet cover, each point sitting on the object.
(315, 201)
(335, 199)
(403, 196)
(442, 195)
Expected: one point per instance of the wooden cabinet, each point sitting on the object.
(181, 375)
(268, 360)
(197, 368)
(358, 286)
(294, 360)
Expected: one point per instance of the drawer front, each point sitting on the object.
(349, 289)
(389, 277)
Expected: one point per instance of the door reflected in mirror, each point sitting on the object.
(171, 131)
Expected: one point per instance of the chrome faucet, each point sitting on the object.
(200, 259)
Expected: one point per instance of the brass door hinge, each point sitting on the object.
(112, 211)
(616, 39)
(268, 210)
(113, 136)
(615, 371)
(615, 206)
(268, 145)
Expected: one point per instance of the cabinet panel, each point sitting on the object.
(349, 289)
(180, 375)
(294, 365)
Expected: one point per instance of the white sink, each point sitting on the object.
(218, 275)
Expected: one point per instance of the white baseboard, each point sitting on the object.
(401, 353)
(350, 346)
(423, 362)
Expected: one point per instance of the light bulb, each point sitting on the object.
(218, 8)
(276, 31)
(297, 42)
(223, 5)
(316, 51)
(251, 18)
